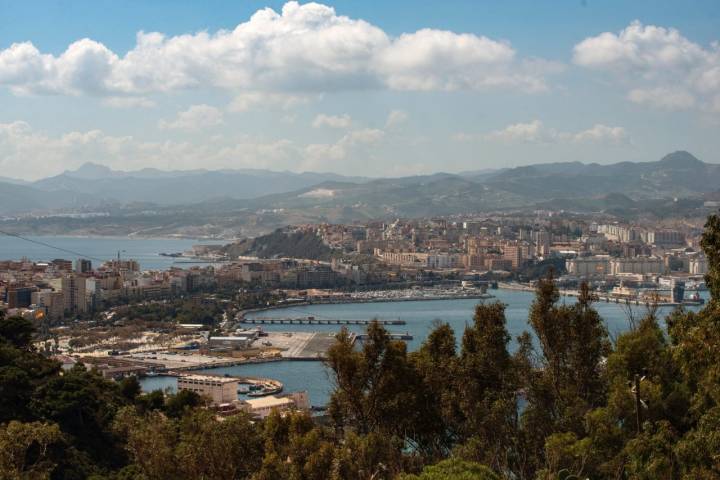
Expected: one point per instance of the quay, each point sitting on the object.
(315, 321)
(634, 301)
(393, 336)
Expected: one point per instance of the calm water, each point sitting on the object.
(420, 316)
(145, 251)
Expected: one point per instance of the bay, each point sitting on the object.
(311, 376)
(419, 316)
(144, 250)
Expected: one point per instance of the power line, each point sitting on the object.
(38, 242)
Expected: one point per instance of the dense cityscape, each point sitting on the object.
(114, 317)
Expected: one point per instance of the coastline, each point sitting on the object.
(127, 237)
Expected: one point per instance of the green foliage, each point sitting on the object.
(26, 450)
(280, 243)
(454, 469)
(175, 311)
(541, 269)
(83, 404)
(130, 388)
(16, 331)
(180, 403)
(379, 390)
(710, 243)
(21, 369)
(486, 387)
(193, 446)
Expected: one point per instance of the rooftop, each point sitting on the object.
(269, 402)
(207, 378)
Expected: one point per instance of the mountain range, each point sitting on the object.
(94, 185)
(677, 175)
(259, 200)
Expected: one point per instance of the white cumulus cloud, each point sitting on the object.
(197, 117)
(33, 154)
(332, 121)
(531, 132)
(664, 68)
(395, 118)
(128, 102)
(601, 133)
(324, 155)
(302, 48)
(669, 98)
(537, 133)
(259, 99)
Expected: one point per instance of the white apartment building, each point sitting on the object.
(420, 260)
(218, 389)
(595, 266)
(665, 237)
(637, 265)
(619, 233)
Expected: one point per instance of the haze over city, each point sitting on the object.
(355, 88)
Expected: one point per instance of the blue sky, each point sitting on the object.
(372, 88)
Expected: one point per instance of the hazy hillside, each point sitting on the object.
(178, 187)
(17, 199)
(247, 202)
(281, 244)
(563, 185)
(676, 174)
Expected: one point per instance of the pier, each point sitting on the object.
(392, 336)
(315, 321)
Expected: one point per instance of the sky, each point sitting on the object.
(355, 87)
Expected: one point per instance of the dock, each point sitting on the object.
(392, 336)
(315, 321)
(635, 301)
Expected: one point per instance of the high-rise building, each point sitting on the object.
(513, 253)
(542, 241)
(62, 264)
(19, 297)
(83, 265)
(74, 293)
(51, 301)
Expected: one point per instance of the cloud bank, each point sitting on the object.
(663, 68)
(302, 48)
(32, 154)
(536, 132)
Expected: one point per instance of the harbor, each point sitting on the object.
(298, 367)
(624, 295)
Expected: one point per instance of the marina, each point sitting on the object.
(308, 340)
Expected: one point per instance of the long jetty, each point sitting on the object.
(316, 321)
(392, 336)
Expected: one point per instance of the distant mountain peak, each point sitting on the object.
(680, 158)
(91, 171)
